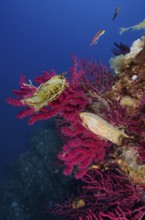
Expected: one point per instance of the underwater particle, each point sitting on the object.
(102, 128)
(139, 26)
(97, 37)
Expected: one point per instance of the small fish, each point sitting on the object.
(116, 12)
(139, 26)
(96, 37)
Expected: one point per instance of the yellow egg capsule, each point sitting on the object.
(46, 92)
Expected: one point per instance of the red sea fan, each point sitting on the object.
(25, 91)
(39, 102)
(71, 100)
(81, 147)
(107, 195)
(92, 76)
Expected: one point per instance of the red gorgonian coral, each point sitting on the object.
(89, 152)
(82, 147)
(106, 195)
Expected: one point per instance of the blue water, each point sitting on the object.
(37, 35)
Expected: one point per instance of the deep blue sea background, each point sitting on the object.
(39, 35)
